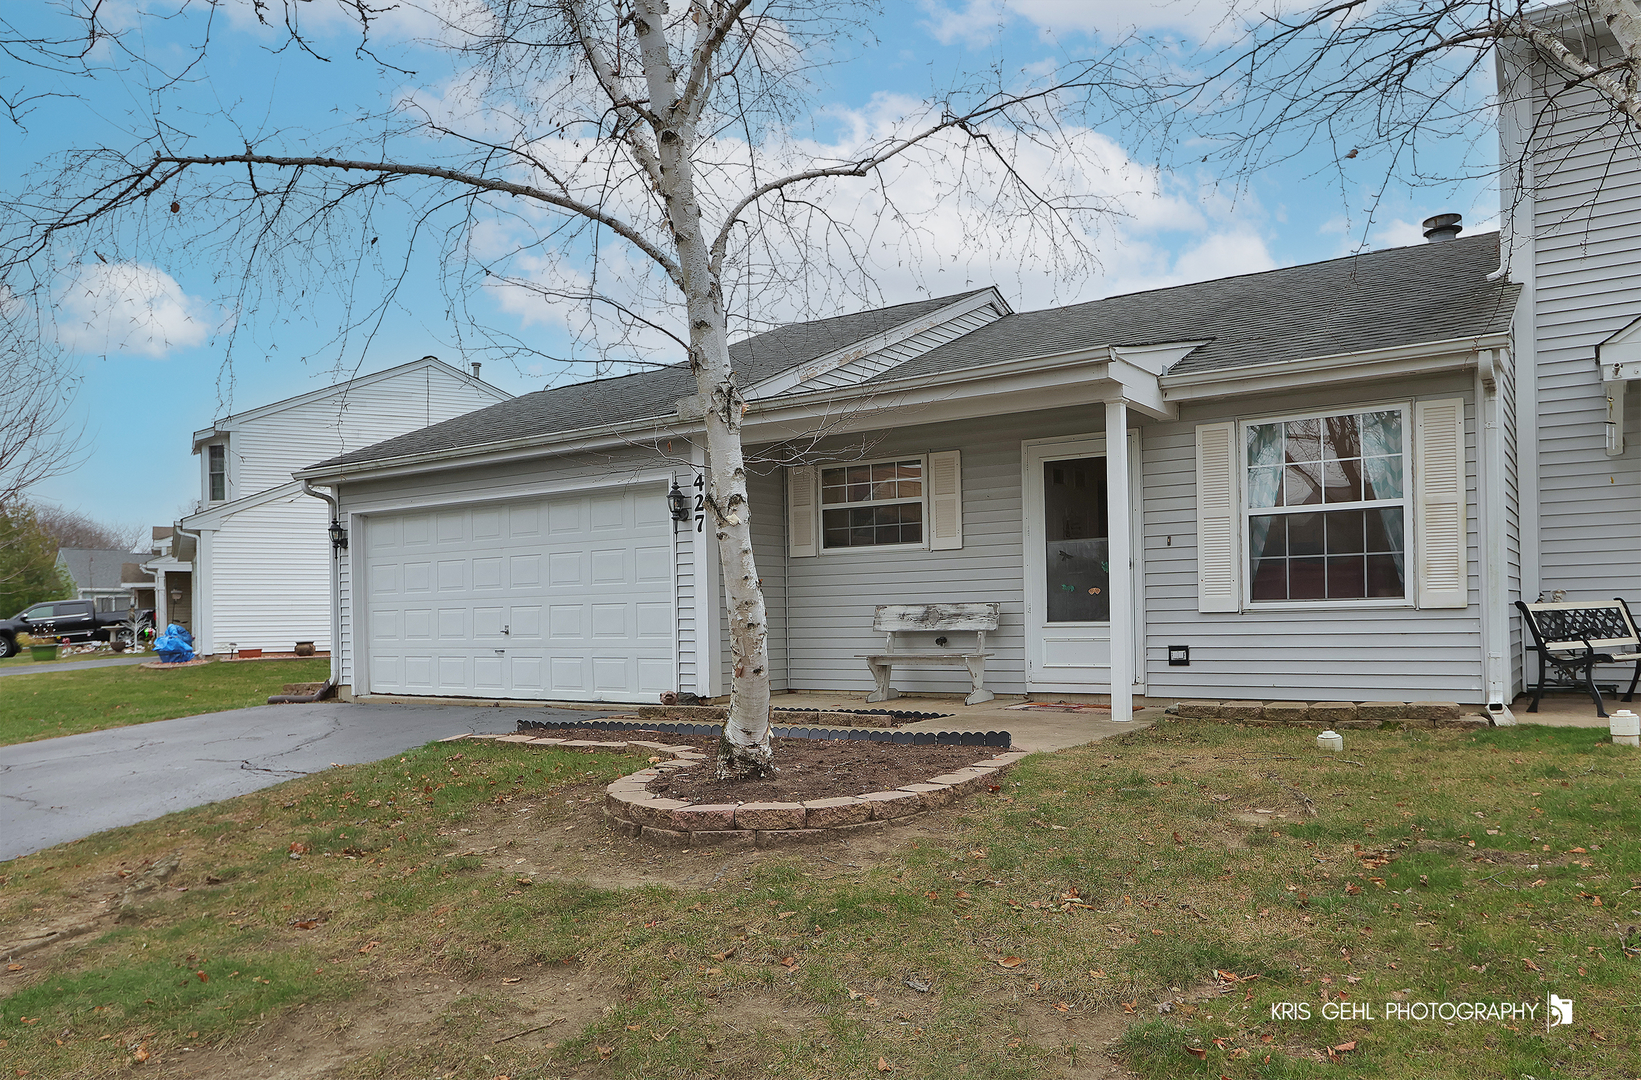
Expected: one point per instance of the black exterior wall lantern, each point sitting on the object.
(338, 537)
(678, 503)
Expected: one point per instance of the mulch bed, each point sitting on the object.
(808, 768)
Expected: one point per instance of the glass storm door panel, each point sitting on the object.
(1067, 567)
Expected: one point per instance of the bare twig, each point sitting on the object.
(527, 1031)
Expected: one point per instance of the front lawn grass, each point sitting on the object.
(1133, 888)
(51, 703)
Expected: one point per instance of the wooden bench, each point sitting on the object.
(894, 620)
(1574, 637)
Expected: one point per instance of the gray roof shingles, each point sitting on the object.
(645, 395)
(1380, 299)
(93, 568)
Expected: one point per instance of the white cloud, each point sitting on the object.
(977, 22)
(130, 308)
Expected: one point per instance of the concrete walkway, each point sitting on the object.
(1030, 729)
(61, 789)
(47, 666)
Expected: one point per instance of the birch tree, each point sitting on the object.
(675, 130)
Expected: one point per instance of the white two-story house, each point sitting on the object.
(253, 565)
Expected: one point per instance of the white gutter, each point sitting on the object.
(1453, 354)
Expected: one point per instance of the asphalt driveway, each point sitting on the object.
(75, 665)
(57, 790)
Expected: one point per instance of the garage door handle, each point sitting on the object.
(507, 629)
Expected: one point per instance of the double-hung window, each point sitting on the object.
(1326, 500)
(873, 505)
(217, 471)
(1363, 505)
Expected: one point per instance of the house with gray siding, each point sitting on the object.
(1297, 484)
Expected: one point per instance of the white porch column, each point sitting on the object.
(162, 602)
(1121, 576)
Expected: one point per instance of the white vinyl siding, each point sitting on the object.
(858, 371)
(270, 576)
(267, 448)
(684, 590)
(1344, 651)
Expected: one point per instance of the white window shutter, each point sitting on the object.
(1219, 583)
(1438, 481)
(946, 500)
(800, 511)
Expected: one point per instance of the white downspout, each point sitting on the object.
(335, 586)
(200, 578)
(1490, 518)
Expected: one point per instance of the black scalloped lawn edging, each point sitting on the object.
(1001, 739)
(893, 714)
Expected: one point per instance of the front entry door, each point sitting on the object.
(1067, 566)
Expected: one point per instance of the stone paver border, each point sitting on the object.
(632, 811)
(1336, 714)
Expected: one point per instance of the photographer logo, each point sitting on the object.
(1560, 1011)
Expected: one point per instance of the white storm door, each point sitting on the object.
(568, 597)
(1067, 565)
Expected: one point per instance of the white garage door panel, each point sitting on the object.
(550, 598)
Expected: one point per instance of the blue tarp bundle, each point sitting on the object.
(176, 645)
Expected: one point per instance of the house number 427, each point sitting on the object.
(700, 503)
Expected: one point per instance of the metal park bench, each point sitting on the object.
(894, 620)
(1574, 637)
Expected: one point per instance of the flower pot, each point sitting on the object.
(249, 654)
(304, 648)
(43, 652)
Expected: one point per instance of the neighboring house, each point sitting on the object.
(97, 576)
(958, 451)
(252, 568)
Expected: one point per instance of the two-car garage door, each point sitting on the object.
(565, 598)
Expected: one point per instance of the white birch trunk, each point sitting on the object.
(746, 742)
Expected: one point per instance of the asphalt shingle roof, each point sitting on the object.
(1380, 299)
(93, 568)
(647, 394)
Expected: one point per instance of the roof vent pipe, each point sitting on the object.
(476, 365)
(1442, 227)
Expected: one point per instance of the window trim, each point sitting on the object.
(821, 506)
(1407, 502)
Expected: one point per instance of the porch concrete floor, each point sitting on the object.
(1031, 729)
(1567, 709)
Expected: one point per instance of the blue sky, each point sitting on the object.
(147, 332)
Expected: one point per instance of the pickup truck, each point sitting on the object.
(69, 620)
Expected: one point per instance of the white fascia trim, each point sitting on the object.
(1429, 357)
(797, 376)
(216, 515)
(231, 422)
